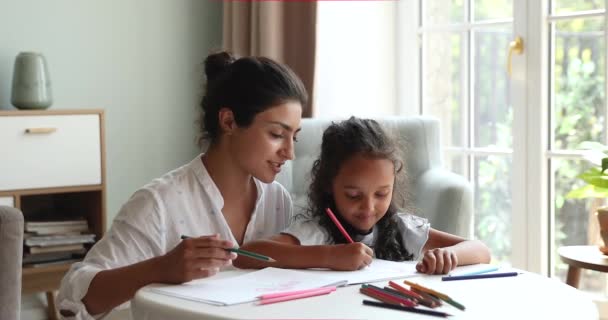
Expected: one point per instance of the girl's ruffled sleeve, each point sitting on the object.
(414, 232)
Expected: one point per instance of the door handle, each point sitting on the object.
(516, 46)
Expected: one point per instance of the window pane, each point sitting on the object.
(493, 113)
(579, 76)
(574, 221)
(444, 83)
(563, 6)
(455, 162)
(493, 9)
(493, 204)
(442, 12)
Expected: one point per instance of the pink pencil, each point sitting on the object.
(299, 296)
(337, 223)
(289, 293)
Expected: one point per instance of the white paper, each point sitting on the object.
(378, 270)
(247, 287)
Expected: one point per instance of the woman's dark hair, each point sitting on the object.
(247, 86)
(342, 141)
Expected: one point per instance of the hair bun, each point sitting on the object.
(217, 63)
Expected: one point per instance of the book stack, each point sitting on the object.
(55, 242)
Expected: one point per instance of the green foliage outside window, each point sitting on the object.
(578, 115)
(595, 178)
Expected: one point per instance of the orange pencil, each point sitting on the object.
(437, 294)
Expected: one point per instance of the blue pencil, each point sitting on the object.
(486, 270)
(481, 276)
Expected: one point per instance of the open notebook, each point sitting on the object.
(248, 287)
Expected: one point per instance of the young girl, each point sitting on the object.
(356, 176)
(251, 115)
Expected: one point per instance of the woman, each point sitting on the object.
(251, 115)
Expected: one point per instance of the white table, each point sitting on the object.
(526, 296)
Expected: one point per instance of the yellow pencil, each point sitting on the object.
(438, 294)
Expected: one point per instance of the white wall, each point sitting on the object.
(140, 60)
(355, 71)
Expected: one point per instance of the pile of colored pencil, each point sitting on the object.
(398, 297)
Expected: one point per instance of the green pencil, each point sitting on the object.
(251, 254)
(455, 304)
(246, 253)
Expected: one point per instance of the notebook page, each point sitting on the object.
(378, 270)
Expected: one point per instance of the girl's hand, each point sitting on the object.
(351, 256)
(437, 261)
(195, 258)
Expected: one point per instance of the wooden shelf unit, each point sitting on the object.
(56, 173)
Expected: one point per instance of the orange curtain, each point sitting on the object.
(282, 30)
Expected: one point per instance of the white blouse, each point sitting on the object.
(414, 232)
(184, 201)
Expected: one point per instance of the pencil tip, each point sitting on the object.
(271, 260)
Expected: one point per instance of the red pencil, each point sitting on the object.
(337, 223)
(386, 297)
(404, 290)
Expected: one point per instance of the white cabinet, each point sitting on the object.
(41, 151)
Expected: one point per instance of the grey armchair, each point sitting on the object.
(11, 249)
(443, 197)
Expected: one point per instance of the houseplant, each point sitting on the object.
(596, 179)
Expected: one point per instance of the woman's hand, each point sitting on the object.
(195, 258)
(351, 256)
(437, 261)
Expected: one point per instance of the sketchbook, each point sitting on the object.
(248, 287)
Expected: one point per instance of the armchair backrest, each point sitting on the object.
(11, 250)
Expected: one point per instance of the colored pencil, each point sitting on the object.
(438, 294)
(401, 294)
(400, 299)
(251, 254)
(384, 297)
(322, 291)
(455, 304)
(435, 293)
(486, 270)
(244, 253)
(480, 276)
(289, 293)
(428, 299)
(402, 308)
(337, 223)
(397, 287)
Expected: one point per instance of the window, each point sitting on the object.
(516, 138)
(464, 83)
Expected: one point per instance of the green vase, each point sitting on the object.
(31, 82)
